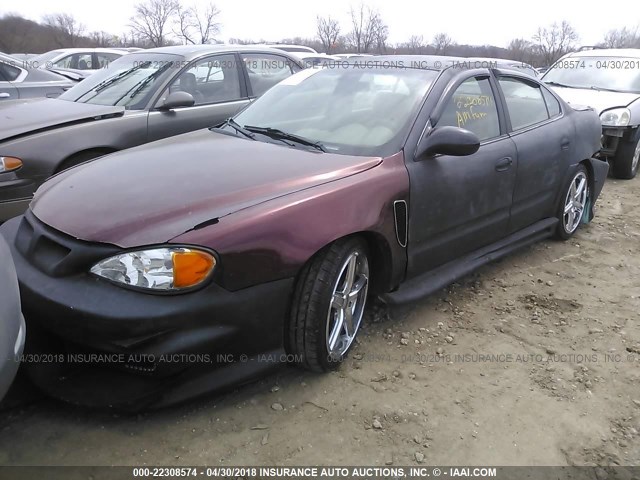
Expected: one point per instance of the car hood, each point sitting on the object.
(21, 117)
(598, 99)
(155, 192)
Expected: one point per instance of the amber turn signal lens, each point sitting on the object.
(8, 164)
(191, 267)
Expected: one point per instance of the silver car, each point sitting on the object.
(141, 97)
(18, 80)
(12, 327)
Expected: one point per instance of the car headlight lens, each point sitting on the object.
(9, 164)
(159, 269)
(616, 117)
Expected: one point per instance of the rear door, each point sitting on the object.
(543, 143)
(8, 91)
(460, 204)
(215, 84)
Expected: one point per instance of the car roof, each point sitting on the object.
(78, 50)
(193, 51)
(441, 62)
(607, 52)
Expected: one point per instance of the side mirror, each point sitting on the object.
(448, 141)
(176, 100)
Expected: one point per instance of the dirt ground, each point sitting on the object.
(534, 360)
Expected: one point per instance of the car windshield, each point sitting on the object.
(353, 111)
(129, 81)
(618, 74)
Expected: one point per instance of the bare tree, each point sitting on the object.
(196, 26)
(151, 20)
(368, 29)
(67, 29)
(521, 50)
(442, 42)
(416, 44)
(555, 40)
(622, 38)
(328, 31)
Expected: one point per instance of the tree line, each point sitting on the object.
(157, 23)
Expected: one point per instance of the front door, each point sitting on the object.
(459, 204)
(214, 82)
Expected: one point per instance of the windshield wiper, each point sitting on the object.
(280, 135)
(237, 127)
(557, 84)
(603, 89)
(102, 85)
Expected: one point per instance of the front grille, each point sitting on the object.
(54, 252)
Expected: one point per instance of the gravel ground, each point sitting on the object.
(534, 360)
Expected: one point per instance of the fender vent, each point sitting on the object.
(400, 214)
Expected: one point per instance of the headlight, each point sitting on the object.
(159, 269)
(9, 164)
(616, 117)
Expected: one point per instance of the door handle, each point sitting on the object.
(5, 95)
(565, 145)
(504, 164)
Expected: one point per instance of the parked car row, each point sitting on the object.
(150, 268)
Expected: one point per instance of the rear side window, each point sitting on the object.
(525, 102)
(472, 107)
(9, 72)
(266, 70)
(553, 106)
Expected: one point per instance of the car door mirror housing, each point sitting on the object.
(176, 100)
(453, 141)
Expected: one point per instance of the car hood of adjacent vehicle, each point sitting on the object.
(22, 117)
(155, 192)
(600, 100)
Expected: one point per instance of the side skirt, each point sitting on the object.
(438, 278)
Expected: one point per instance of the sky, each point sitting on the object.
(466, 21)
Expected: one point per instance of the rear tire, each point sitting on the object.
(625, 163)
(575, 200)
(328, 305)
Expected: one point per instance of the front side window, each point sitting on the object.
(211, 80)
(472, 107)
(525, 102)
(266, 70)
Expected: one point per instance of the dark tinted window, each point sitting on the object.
(473, 107)
(525, 102)
(8, 72)
(552, 103)
(266, 70)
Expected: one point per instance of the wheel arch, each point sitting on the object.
(82, 156)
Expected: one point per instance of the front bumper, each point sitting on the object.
(611, 138)
(97, 344)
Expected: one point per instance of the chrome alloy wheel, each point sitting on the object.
(575, 202)
(347, 304)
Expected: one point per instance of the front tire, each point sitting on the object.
(573, 203)
(625, 163)
(328, 305)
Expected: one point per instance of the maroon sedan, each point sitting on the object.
(200, 261)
